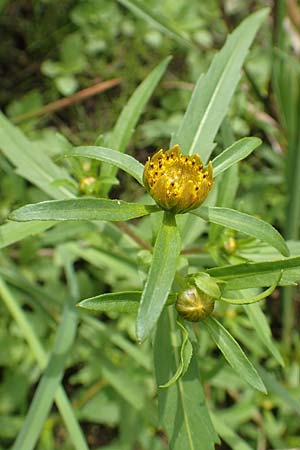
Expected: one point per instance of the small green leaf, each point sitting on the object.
(120, 160)
(247, 275)
(125, 301)
(160, 277)
(233, 353)
(82, 209)
(186, 353)
(244, 223)
(233, 154)
(253, 299)
(207, 284)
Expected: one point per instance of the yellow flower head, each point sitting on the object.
(177, 182)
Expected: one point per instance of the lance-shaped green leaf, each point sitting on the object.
(233, 154)
(215, 89)
(31, 162)
(244, 223)
(14, 232)
(261, 326)
(254, 299)
(108, 155)
(130, 115)
(186, 353)
(247, 275)
(182, 409)
(160, 276)
(125, 301)
(140, 9)
(82, 209)
(233, 353)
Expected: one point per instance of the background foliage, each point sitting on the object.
(107, 397)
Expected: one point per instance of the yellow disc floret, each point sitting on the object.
(177, 182)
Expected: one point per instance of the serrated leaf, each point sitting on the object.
(244, 223)
(186, 352)
(108, 155)
(215, 89)
(233, 353)
(160, 277)
(233, 154)
(82, 209)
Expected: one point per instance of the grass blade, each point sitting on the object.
(120, 160)
(140, 9)
(262, 328)
(215, 89)
(82, 209)
(244, 223)
(45, 392)
(233, 353)
(61, 398)
(233, 154)
(160, 277)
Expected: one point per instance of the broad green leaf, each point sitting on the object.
(14, 232)
(31, 162)
(182, 408)
(142, 10)
(186, 353)
(244, 223)
(160, 276)
(215, 89)
(233, 154)
(247, 275)
(82, 209)
(120, 160)
(130, 115)
(126, 301)
(262, 328)
(233, 353)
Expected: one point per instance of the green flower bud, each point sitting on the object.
(177, 182)
(87, 185)
(194, 305)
